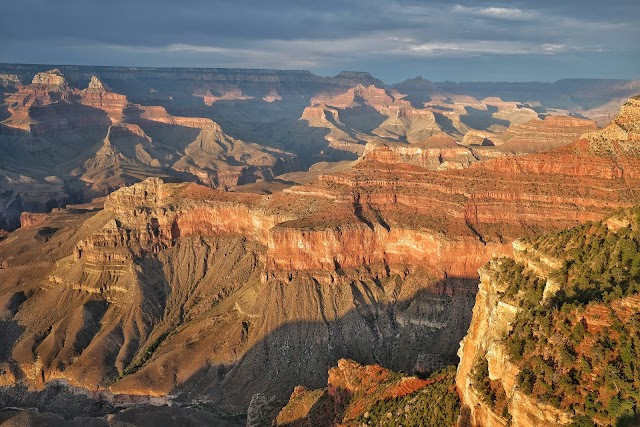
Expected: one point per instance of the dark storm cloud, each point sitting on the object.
(470, 40)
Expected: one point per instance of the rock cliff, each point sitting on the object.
(163, 268)
(550, 342)
(97, 96)
(536, 136)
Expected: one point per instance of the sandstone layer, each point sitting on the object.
(536, 136)
(59, 126)
(163, 269)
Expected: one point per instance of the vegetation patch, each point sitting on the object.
(579, 350)
(491, 392)
(434, 405)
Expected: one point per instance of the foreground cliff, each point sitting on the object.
(553, 340)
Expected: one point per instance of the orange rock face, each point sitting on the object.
(50, 89)
(369, 95)
(537, 136)
(439, 152)
(352, 389)
(98, 97)
(394, 213)
(296, 239)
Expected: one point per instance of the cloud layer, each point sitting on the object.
(394, 39)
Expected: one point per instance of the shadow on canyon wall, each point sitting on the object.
(393, 333)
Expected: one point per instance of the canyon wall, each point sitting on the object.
(492, 321)
(550, 342)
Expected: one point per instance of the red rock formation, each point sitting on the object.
(97, 96)
(536, 136)
(355, 96)
(45, 88)
(439, 152)
(352, 390)
(479, 138)
(51, 89)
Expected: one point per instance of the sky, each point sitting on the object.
(474, 40)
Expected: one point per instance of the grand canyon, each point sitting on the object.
(263, 247)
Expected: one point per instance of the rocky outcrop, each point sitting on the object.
(296, 239)
(50, 88)
(480, 138)
(352, 390)
(375, 97)
(97, 96)
(440, 152)
(362, 395)
(536, 136)
(492, 321)
(533, 354)
(619, 139)
(45, 88)
(30, 220)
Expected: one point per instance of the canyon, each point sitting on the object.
(173, 262)
(79, 132)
